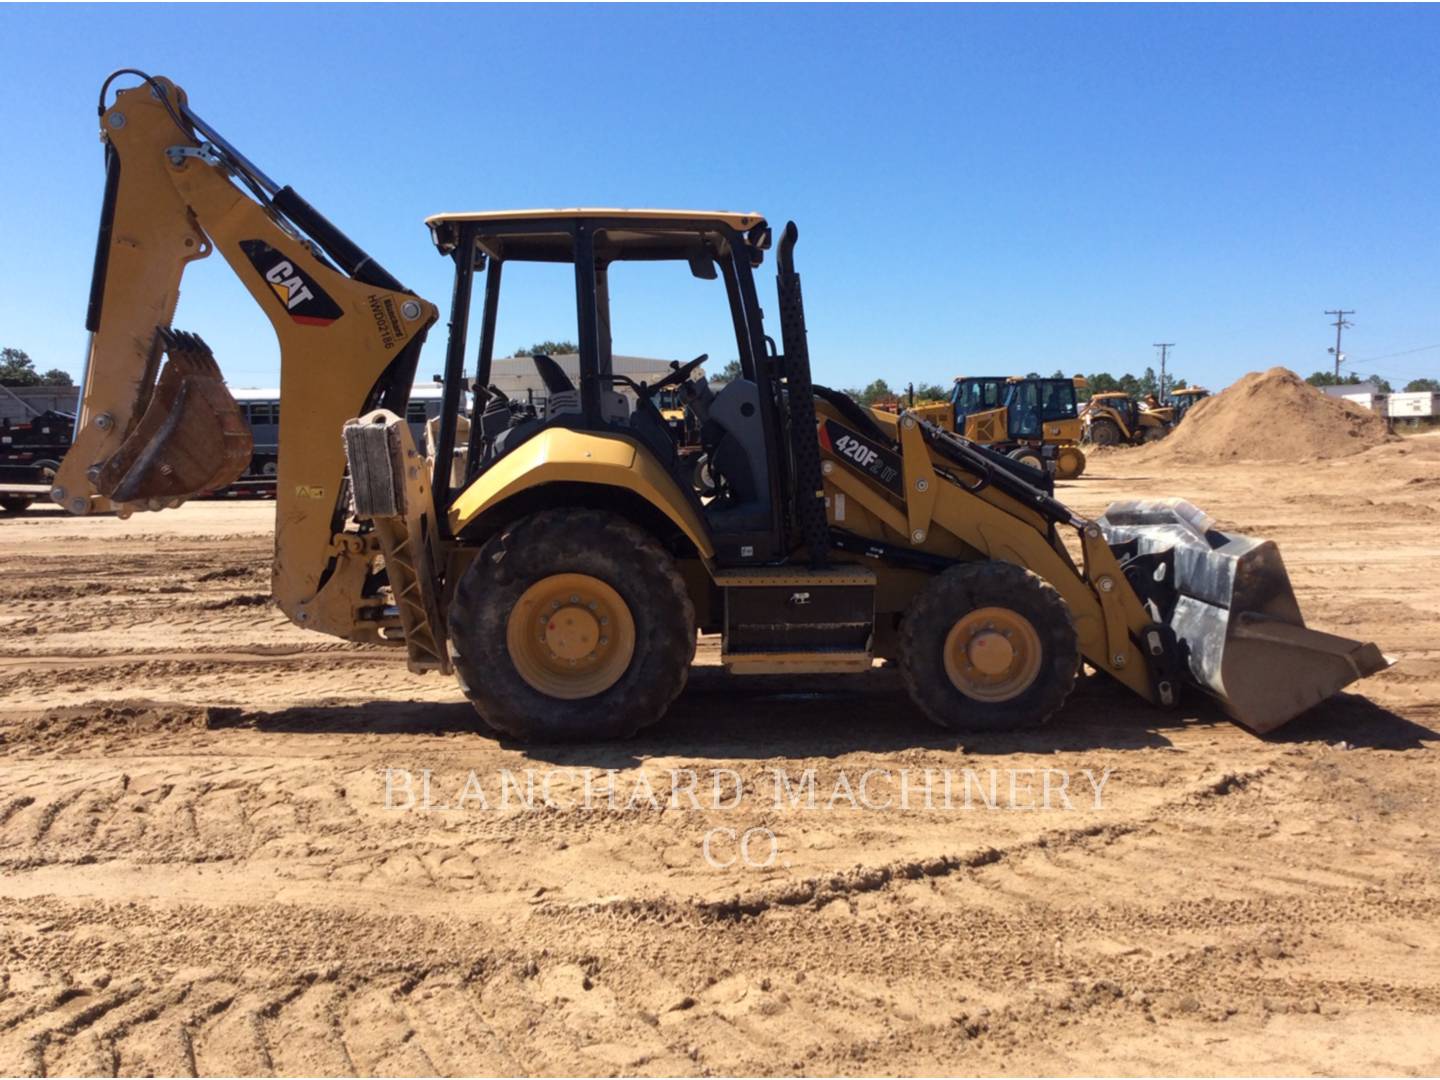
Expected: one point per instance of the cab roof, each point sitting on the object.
(628, 234)
(733, 219)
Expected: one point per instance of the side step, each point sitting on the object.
(388, 479)
(791, 620)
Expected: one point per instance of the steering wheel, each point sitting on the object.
(680, 373)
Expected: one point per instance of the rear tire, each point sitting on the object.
(15, 504)
(538, 676)
(988, 646)
(1105, 432)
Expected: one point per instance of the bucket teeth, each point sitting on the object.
(1237, 623)
(191, 439)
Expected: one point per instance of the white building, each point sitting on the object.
(516, 376)
(21, 404)
(1367, 394)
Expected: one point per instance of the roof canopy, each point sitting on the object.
(545, 235)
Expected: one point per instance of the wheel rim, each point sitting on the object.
(992, 654)
(1067, 463)
(570, 636)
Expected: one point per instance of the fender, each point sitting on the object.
(560, 455)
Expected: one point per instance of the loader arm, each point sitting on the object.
(149, 435)
(1160, 597)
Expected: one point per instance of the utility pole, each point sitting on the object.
(1164, 347)
(1340, 323)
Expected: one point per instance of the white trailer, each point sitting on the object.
(1416, 405)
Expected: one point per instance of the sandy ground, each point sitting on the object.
(199, 872)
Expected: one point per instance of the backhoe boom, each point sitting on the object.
(349, 339)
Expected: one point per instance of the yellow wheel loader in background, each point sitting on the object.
(562, 566)
(1035, 420)
(1114, 418)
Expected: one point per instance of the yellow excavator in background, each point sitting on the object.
(561, 565)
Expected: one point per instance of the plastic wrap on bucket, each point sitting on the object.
(1234, 613)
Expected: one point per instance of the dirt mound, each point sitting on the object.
(1271, 416)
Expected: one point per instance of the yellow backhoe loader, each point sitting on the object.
(1114, 418)
(1183, 400)
(562, 565)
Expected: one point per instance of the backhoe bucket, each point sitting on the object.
(1234, 613)
(191, 440)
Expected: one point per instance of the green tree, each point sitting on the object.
(877, 392)
(17, 369)
(549, 348)
(1101, 383)
(730, 372)
(1422, 386)
(1349, 378)
(931, 392)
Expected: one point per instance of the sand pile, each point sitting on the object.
(1271, 416)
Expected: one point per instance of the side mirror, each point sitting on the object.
(702, 266)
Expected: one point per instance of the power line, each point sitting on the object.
(1340, 324)
(1387, 356)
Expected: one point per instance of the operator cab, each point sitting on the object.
(975, 395)
(1030, 403)
(741, 425)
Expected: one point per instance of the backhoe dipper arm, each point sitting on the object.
(148, 436)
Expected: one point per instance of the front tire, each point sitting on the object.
(15, 504)
(1069, 462)
(988, 646)
(1154, 434)
(572, 625)
(1029, 456)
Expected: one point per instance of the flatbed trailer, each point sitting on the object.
(17, 497)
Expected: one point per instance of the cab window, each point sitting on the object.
(1059, 401)
(1025, 410)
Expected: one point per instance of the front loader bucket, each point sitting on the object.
(191, 439)
(1234, 613)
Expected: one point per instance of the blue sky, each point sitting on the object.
(978, 189)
